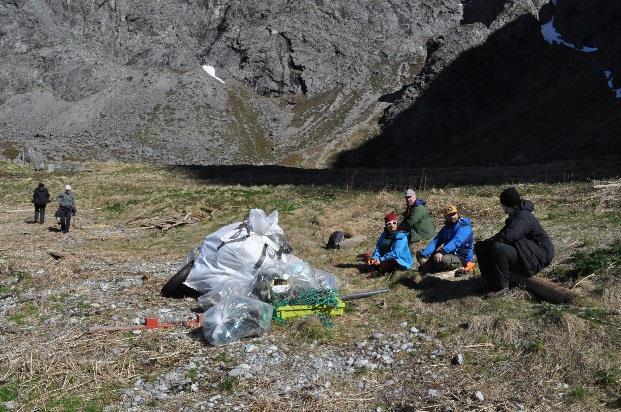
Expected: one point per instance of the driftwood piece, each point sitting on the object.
(169, 223)
(547, 290)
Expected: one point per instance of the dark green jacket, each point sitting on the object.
(66, 200)
(417, 222)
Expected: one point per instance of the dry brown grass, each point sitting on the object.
(516, 349)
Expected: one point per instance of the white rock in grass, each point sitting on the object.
(478, 395)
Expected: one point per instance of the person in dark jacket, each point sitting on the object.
(417, 222)
(521, 247)
(40, 198)
(391, 251)
(66, 208)
(451, 248)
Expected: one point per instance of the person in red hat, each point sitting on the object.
(392, 251)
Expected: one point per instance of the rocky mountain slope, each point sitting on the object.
(533, 84)
(305, 81)
(120, 79)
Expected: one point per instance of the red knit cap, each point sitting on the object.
(390, 217)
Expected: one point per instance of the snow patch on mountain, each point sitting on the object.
(609, 76)
(549, 33)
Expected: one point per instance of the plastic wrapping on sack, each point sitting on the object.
(236, 317)
(218, 293)
(282, 280)
(231, 257)
(304, 276)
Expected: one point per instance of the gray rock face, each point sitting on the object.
(119, 79)
(496, 90)
(304, 81)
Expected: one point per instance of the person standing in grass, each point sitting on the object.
(392, 251)
(40, 198)
(66, 208)
(522, 246)
(417, 222)
(451, 248)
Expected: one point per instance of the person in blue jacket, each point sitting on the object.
(392, 251)
(453, 246)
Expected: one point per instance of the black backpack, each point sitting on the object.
(335, 240)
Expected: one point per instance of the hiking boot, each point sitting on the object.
(497, 293)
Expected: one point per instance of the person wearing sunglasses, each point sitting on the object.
(451, 248)
(392, 251)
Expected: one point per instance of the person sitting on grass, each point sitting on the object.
(392, 251)
(452, 248)
(417, 222)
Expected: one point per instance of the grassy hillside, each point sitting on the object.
(517, 351)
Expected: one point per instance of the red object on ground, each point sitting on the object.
(150, 323)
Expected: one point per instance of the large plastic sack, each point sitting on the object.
(231, 257)
(236, 317)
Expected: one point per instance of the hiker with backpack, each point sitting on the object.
(451, 248)
(392, 251)
(66, 208)
(40, 199)
(521, 247)
(417, 222)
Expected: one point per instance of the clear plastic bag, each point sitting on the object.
(301, 276)
(236, 317)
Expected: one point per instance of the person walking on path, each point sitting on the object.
(391, 251)
(521, 247)
(66, 208)
(40, 198)
(451, 248)
(417, 222)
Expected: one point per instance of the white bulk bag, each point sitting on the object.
(231, 257)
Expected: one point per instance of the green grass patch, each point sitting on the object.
(223, 357)
(5, 289)
(598, 260)
(25, 311)
(578, 394)
(192, 374)
(116, 208)
(550, 313)
(9, 392)
(74, 404)
(227, 385)
(535, 347)
(608, 378)
(310, 328)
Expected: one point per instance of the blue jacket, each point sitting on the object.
(397, 249)
(455, 239)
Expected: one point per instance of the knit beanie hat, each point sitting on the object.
(390, 217)
(510, 197)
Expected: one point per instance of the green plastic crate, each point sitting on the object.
(298, 311)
